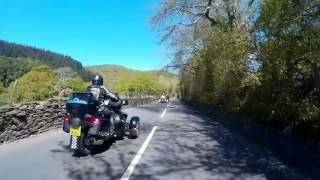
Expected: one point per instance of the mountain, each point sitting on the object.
(116, 74)
(52, 59)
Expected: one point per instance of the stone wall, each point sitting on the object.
(37, 117)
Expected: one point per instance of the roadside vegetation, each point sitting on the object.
(51, 59)
(24, 80)
(137, 83)
(257, 57)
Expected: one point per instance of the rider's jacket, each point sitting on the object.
(101, 93)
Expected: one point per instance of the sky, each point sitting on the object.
(91, 31)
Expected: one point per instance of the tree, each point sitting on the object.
(63, 74)
(182, 21)
(2, 89)
(247, 56)
(77, 84)
(13, 68)
(52, 59)
(38, 84)
(289, 56)
(211, 40)
(140, 85)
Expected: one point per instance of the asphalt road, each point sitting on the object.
(184, 145)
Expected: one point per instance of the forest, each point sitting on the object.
(31, 74)
(52, 59)
(259, 58)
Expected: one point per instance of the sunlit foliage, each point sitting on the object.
(77, 84)
(38, 84)
(52, 59)
(2, 89)
(13, 68)
(136, 83)
(261, 58)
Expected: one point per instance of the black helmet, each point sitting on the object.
(97, 80)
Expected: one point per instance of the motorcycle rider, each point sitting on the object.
(100, 94)
(99, 91)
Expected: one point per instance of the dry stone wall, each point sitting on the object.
(37, 117)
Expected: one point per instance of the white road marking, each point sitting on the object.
(163, 113)
(136, 159)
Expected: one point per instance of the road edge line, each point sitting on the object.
(136, 159)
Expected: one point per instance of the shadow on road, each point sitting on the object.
(64, 148)
(192, 145)
(110, 160)
(189, 144)
(102, 169)
(103, 148)
(92, 167)
(154, 107)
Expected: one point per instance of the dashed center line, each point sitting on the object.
(163, 113)
(138, 156)
(136, 159)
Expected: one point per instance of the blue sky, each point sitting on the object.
(91, 31)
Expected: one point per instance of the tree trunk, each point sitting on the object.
(13, 91)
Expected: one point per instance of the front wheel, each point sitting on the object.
(83, 147)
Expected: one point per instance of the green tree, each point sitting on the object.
(258, 57)
(52, 59)
(141, 85)
(13, 68)
(216, 75)
(38, 84)
(77, 84)
(119, 78)
(2, 89)
(289, 58)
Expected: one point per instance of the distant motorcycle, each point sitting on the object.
(90, 123)
(163, 99)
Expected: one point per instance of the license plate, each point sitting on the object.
(75, 131)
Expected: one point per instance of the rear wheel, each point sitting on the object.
(134, 128)
(84, 149)
(138, 129)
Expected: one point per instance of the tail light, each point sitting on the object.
(67, 119)
(92, 119)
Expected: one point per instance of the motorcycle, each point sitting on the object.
(163, 99)
(90, 123)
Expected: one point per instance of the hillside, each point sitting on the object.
(115, 75)
(52, 59)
